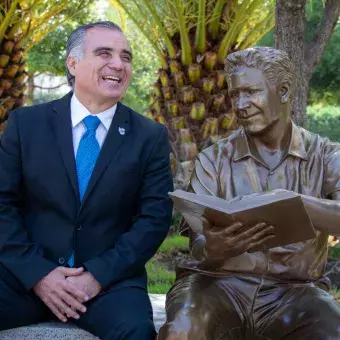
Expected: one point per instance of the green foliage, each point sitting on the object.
(334, 253)
(324, 120)
(328, 95)
(145, 65)
(314, 12)
(325, 83)
(161, 278)
(267, 40)
(48, 56)
(174, 244)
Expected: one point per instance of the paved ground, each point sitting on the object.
(158, 305)
(59, 331)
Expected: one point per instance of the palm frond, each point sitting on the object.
(201, 27)
(150, 31)
(148, 20)
(246, 15)
(183, 30)
(257, 32)
(7, 21)
(216, 18)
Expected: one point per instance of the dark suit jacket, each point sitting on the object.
(124, 216)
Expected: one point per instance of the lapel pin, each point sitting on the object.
(121, 131)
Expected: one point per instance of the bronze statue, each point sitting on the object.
(235, 288)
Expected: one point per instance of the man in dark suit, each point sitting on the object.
(83, 199)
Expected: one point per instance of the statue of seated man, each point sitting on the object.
(237, 289)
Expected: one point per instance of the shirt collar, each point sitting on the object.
(79, 112)
(296, 145)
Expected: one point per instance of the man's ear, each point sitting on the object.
(71, 63)
(284, 92)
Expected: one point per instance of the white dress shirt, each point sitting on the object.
(79, 112)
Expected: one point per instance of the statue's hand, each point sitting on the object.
(223, 243)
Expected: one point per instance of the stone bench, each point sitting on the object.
(69, 331)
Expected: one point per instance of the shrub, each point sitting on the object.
(325, 121)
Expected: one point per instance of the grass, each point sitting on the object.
(334, 253)
(173, 244)
(160, 277)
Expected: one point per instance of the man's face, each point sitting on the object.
(104, 73)
(255, 103)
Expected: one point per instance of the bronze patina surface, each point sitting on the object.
(235, 288)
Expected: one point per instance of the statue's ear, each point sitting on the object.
(284, 92)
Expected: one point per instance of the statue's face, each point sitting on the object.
(256, 104)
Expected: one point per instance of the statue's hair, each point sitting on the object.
(75, 46)
(275, 65)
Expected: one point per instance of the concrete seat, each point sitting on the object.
(69, 331)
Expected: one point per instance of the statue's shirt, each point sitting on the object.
(310, 166)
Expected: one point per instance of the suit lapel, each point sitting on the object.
(63, 132)
(119, 129)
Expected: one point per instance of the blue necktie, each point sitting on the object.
(87, 153)
(86, 158)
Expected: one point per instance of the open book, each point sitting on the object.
(284, 210)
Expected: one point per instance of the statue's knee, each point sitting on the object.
(165, 333)
(328, 328)
(172, 336)
(180, 331)
(176, 335)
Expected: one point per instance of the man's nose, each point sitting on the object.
(116, 64)
(242, 102)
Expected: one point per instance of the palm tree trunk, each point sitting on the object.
(30, 89)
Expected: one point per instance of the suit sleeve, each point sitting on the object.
(17, 253)
(135, 247)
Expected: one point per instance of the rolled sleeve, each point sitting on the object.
(331, 179)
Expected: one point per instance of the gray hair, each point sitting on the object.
(275, 65)
(75, 46)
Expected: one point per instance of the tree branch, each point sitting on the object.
(316, 47)
(49, 88)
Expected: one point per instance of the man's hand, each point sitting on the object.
(86, 283)
(223, 243)
(60, 295)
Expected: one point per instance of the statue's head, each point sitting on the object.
(260, 85)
